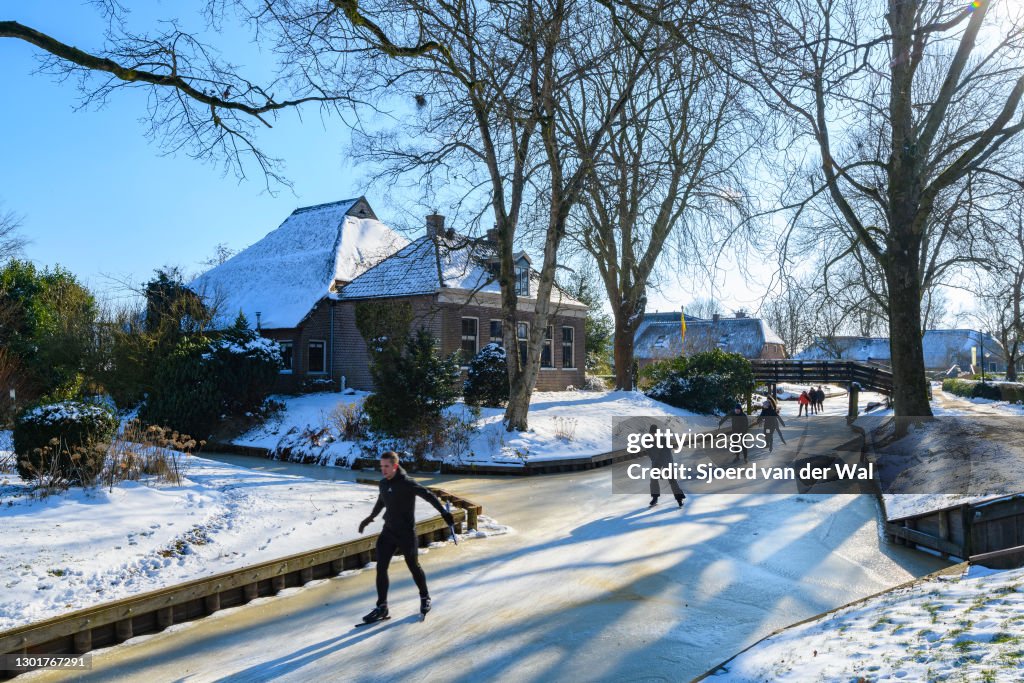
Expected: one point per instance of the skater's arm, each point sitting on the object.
(376, 511)
(426, 495)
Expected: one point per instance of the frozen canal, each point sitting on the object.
(589, 586)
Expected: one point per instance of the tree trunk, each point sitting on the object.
(623, 349)
(623, 354)
(910, 385)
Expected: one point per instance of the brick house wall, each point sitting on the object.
(348, 357)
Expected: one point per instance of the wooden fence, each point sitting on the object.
(870, 376)
(967, 531)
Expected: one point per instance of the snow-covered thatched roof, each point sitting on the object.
(941, 347)
(658, 336)
(449, 262)
(286, 273)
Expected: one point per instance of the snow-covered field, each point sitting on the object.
(563, 424)
(85, 547)
(946, 629)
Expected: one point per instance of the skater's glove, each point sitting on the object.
(363, 524)
(447, 517)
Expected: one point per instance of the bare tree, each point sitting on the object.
(11, 241)
(905, 102)
(1000, 289)
(498, 111)
(666, 178)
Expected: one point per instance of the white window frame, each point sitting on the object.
(291, 344)
(522, 340)
(500, 341)
(463, 339)
(522, 281)
(309, 356)
(548, 342)
(572, 348)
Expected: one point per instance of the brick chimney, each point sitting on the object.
(741, 313)
(435, 225)
(492, 235)
(715, 317)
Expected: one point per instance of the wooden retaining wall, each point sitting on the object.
(965, 531)
(114, 622)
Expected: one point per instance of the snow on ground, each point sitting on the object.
(563, 424)
(955, 629)
(970, 454)
(85, 547)
(791, 392)
(945, 403)
(296, 429)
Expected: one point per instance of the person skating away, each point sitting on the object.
(739, 424)
(770, 419)
(398, 498)
(804, 409)
(660, 458)
(821, 399)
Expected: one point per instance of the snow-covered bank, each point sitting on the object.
(945, 629)
(305, 428)
(86, 547)
(563, 424)
(970, 454)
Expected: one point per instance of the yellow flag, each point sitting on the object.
(682, 329)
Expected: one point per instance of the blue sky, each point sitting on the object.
(101, 200)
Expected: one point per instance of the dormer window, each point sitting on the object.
(522, 281)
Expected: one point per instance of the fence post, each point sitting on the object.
(854, 406)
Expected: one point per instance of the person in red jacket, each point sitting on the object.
(805, 405)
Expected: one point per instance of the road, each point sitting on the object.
(589, 586)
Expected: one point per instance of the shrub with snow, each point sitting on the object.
(206, 380)
(487, 378)
(65, 440)
(705, 383)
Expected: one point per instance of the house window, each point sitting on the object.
(546, 360)
(523, 339)
(317, 357)
(496, 336)
(522, 281)
(661, 342)
(286, 356)
(469, 339)
(568, 334)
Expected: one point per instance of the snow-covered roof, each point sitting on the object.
(940, 346)
(431, 264)
(286, 273)
(658, 336)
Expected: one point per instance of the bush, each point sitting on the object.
(706, 383)
(487, 378)
(349, 420)
(63, 441)
(986, 390)
(205, 380)
(412, 391)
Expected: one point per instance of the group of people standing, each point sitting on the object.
(812, 401)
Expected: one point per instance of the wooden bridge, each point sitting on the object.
(870, 376)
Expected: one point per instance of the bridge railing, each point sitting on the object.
(825, 371)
